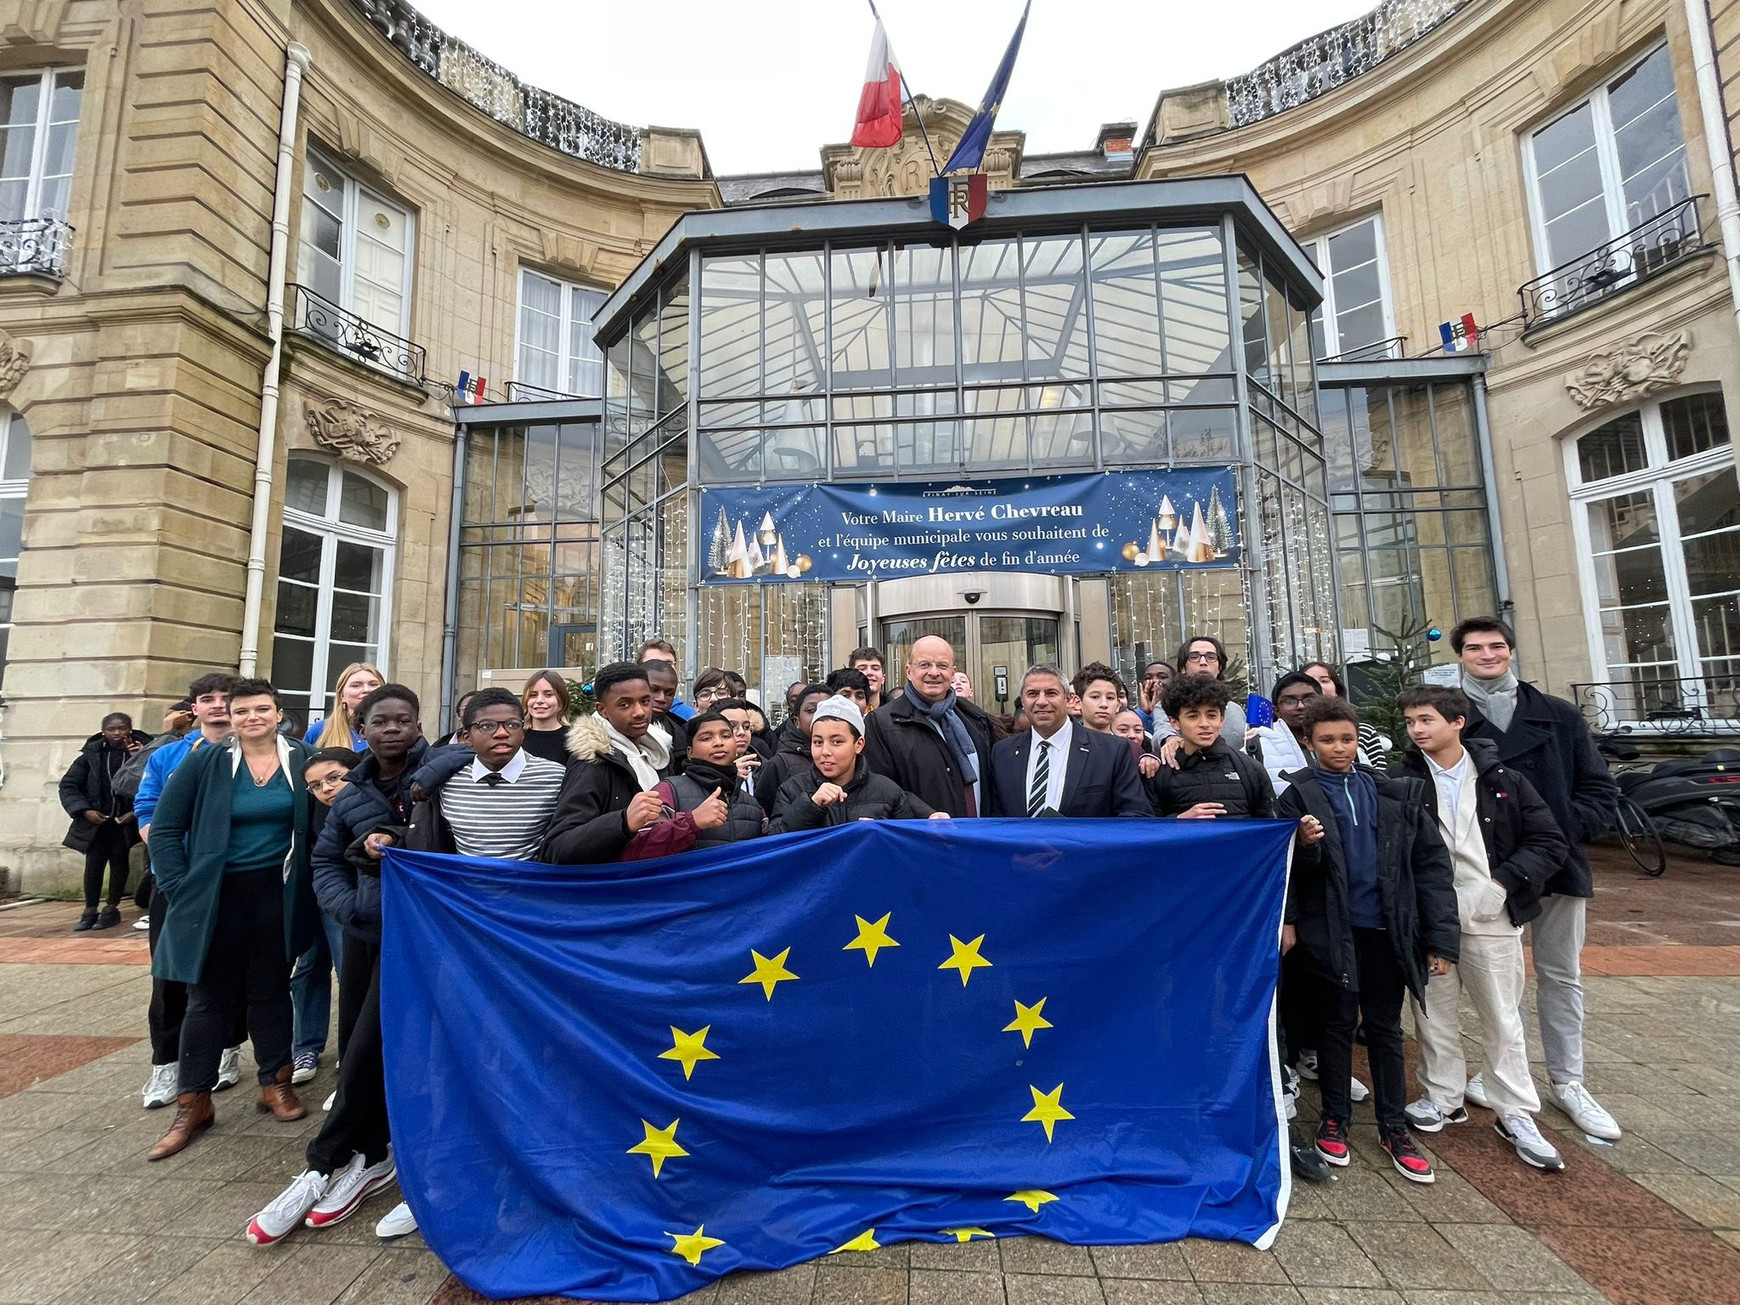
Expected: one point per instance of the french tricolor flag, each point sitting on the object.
(470, 388)
(879, 112)
(1460, 334)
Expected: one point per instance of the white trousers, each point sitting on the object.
(1491, 972)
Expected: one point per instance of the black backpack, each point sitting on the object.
(128, 778)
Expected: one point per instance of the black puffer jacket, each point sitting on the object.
(683, 794)
(868, 797)
(1217, 774)
(346, 881)
(591, 821)
(1549, 742)
(1524, 848)
(89, 785)
(791, 754)
(1415, 883)
(901, 744)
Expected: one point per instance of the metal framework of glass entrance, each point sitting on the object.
(1074, 329)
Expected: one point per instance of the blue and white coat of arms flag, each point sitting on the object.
(622, 1082)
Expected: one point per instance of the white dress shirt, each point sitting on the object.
(1449, 786)
(1057, 758)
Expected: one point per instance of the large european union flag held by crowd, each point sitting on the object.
(622, 1082)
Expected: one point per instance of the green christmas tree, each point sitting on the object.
(1220, 532)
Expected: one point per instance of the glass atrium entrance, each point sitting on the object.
(1103, 392)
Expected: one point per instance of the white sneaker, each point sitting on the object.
(1585, 1111)
(1531, 1147)
(288, 1208)
(229, 1069)
(1357, 1091)
(330, 1098)
(163, 1086)
(351, 1186)
(1476, 1092)
(142, 924)
(1308, 1065)
(398, 1222)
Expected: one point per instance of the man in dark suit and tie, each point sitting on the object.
(1058, 768)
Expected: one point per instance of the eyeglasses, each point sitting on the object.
(1203, 657)
(321, 785)
(712, 695)
(496, 726)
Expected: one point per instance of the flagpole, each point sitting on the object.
(906, 87)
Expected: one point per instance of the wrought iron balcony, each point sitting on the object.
(1624, 262)
(1662, 704)
(346, 333)
(34, 246)
(1317, 66)
(487, 86)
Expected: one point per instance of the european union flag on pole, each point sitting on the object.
(624, 1082)
(970, 153)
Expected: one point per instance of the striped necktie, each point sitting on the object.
(1041, 779)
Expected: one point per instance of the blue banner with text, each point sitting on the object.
(622, 1082)
(1079, 524)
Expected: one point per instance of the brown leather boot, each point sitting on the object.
(280, 1099)
(193, 1115)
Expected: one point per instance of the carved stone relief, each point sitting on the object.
(14, 362)
(1653, 361)
(340, 426)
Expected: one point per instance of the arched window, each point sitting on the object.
(335, 579)
(1656, 517)
(14, 481)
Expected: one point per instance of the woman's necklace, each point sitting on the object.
(260, 781)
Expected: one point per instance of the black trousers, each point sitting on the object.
(246, 973)
(1306, 1000)
(358, 1119)
(108, 851)
(1379, 1003)
(169, 1002)
(353, 982)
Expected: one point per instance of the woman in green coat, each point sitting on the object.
(230, 845)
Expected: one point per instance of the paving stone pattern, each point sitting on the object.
(1653, 1220)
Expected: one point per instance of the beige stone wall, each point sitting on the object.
(145, 362)
(1433, 139)
(1725, 29)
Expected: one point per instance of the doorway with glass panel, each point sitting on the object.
(993, 648)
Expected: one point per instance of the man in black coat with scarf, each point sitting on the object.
(1547, 741)
(934, 745)
(102, 827)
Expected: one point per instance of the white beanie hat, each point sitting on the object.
(840, 708)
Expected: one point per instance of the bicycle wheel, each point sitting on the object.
(1637, 834)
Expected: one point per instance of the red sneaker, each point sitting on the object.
(1409, 1160)
(1332, 1142)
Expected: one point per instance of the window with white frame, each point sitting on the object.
(335, 578)
(1355, 314)
(557, 352)
(1609, 164)
(1656, 518)
(355, 250)
(39, 120)
(14, 481)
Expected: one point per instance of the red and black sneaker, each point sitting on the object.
(1332, 1142)
(1409, 1160)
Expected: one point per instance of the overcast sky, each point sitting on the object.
(769, 82)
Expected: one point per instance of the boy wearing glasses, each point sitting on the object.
(499, 805)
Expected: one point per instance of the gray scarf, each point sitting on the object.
(947, 721)
(1495, 698)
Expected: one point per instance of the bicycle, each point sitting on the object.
(1637, 832)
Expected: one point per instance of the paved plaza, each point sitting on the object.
(1653, 1219)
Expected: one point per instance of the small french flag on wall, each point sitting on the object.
(1460, 334)
(470, 388)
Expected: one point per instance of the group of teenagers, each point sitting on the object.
(1411, 878)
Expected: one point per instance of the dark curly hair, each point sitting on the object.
(1197, 691)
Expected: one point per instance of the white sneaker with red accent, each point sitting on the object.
(288, 1208)
(351, 1186)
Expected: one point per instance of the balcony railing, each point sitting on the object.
(346, 333)
(1671, 705)
(1393, 349)
(522, 392)
(34, 246)
(487, 86)
(1629, 260)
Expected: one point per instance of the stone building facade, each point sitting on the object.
(1439, 158)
